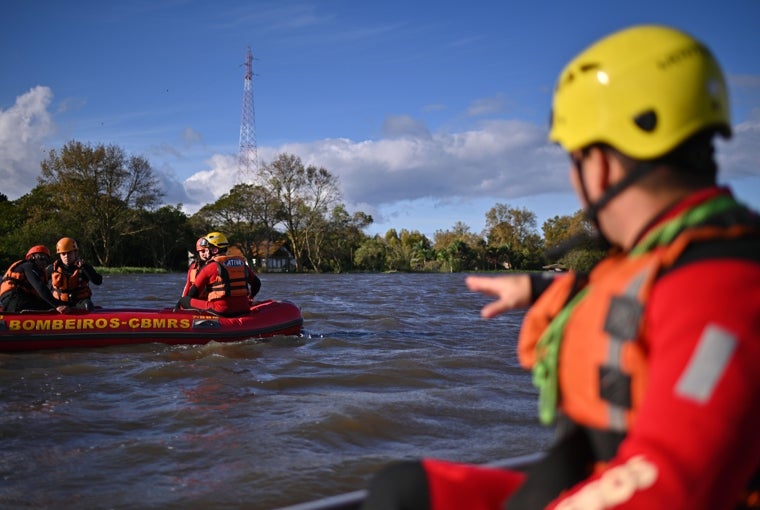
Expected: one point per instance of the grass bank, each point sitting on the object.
(130, 270)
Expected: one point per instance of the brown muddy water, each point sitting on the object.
(390, 366)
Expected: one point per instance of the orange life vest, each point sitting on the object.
(13, 279)
(69, 286)
(231, 278)
(192, 272)
(602, 367)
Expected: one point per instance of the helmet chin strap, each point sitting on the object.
(593, 208)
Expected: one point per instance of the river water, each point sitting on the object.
(390, 366)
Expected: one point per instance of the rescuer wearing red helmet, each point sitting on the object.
(70, 276)
(24, 285)
(227, 281)
(648, 366)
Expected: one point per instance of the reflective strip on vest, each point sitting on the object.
(622, 324)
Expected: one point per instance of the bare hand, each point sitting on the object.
(62, 309)
(512, 291)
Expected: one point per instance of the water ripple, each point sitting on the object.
(388, 367)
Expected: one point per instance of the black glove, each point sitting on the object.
(184, 302)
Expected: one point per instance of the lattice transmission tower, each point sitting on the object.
(248, 157)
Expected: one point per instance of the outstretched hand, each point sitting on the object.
(511, 291)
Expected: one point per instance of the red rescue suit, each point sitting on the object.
(192, 272)
(230, 285)
(661, 351)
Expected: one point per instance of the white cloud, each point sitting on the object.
(501, 159)
(740, 156)
(498, 160)
(487, 106)
(190, 135)
(404, 125)
(23, 129)
(206, 186)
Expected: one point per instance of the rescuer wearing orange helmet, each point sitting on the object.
(648, 366)
(227, 281)
(24, 285)
(70, 276)
(202, 256)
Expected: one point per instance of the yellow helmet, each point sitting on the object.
(217, 239)
(66, 244)
(643, 90)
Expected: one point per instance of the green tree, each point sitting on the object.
(459, 249)
(407, 251)
(31, 219)
(99, 193)
(165, 244)
(572, 242)
(512, 232)
(370, 255)
(341, 237)
(419, 248)
(396, 255)
(562, 228)
(247, 214)
(12, 220)
(305, 196)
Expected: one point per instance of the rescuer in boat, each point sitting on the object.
(650, 367)
(201, 257)
(24, 285)
(229, 282)
(70, 276)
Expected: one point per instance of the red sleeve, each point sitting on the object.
(188, 283)
(203, 277)
(696, 441)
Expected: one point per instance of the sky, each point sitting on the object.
(428, 113)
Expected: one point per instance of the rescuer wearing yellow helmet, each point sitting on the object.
(70, 276)
(227, 282)
(648, 365)
(24, 284)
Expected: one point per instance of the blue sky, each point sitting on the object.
(428, 113)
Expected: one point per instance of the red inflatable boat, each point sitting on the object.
(103, 327)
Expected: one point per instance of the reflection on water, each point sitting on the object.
(390, 366)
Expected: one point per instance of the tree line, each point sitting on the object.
(111, 203)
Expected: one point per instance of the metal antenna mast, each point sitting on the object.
(248, 157)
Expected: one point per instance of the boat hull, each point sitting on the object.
(126, 326)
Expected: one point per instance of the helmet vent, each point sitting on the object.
(591, 66)
(646, 121)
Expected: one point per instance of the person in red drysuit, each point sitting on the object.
(648, 366)
(201, 257)
(227, 281)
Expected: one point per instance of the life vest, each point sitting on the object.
(601, 362)
(192, 272)
(231, 278)
(13, 279)
(69, 286)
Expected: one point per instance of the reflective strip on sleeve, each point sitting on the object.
(707, 364)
